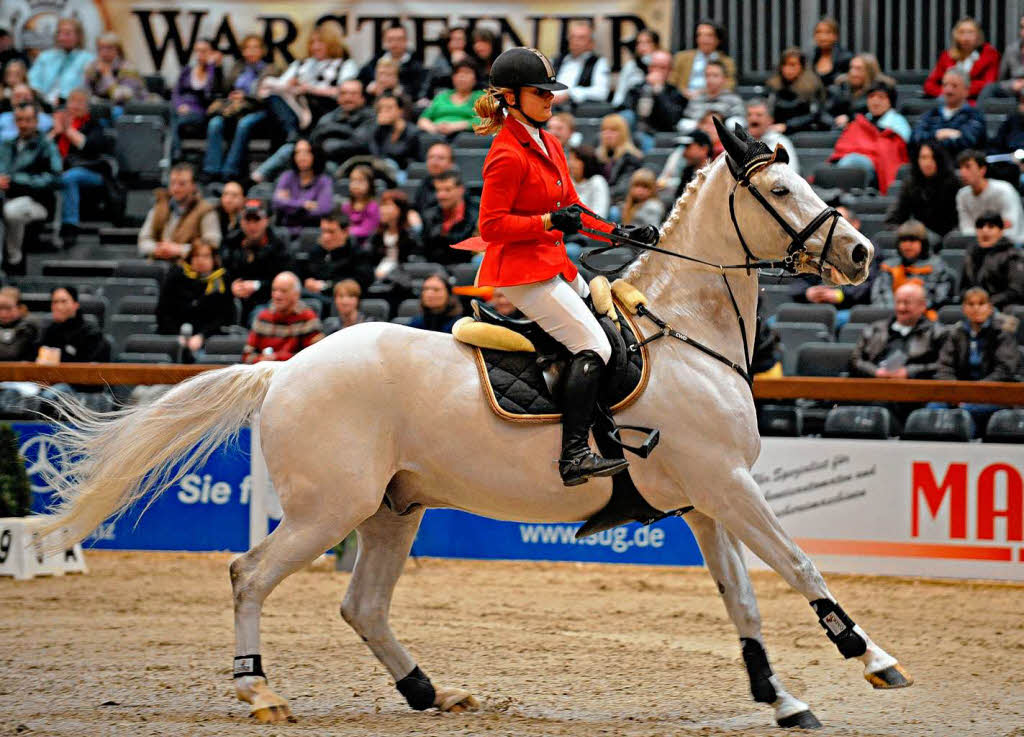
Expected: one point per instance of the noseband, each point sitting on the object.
(797, 253)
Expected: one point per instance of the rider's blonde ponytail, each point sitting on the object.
(489, 108)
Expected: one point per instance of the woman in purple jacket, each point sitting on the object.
(303, 194)
(199, 84)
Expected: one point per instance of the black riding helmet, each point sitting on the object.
(523, 67)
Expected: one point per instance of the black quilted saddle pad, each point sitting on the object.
(519, 392)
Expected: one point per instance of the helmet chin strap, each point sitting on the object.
(516, 106)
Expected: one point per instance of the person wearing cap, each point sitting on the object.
(876, 141)
(179, 217)
(994, 264)
(693, 152)
(253, 256)
(914, 262)
(525, 216)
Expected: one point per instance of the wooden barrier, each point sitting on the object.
(789, 387)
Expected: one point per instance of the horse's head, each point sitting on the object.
(777, 214)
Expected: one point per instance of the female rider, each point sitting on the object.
(524, 216)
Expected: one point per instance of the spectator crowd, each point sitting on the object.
(372, 173)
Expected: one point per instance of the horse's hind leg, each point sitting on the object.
(384, 543)
(725, 563)
(739, 504)
(254, 575)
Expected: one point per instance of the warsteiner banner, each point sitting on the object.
(159, 37)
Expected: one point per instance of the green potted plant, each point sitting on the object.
(15, 492)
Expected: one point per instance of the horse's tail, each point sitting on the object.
(109, 461)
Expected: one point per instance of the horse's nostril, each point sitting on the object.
(860, 254)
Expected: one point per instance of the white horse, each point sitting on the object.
(372, 425)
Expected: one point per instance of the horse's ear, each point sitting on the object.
(781, 154)
(733, 146)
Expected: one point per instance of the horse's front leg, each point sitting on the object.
(725, 564)
(384, 543)
(738, 503)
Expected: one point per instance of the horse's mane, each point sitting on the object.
(675, 218)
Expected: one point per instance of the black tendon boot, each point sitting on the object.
(578, 462)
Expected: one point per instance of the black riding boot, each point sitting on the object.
(578, 462)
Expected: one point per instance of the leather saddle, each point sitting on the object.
(520, 367)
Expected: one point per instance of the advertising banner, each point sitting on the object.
(207, 510)
(448, 533)
(160, 36)
(900, 507)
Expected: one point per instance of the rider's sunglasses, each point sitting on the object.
(542, 94)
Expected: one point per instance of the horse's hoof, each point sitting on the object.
(892, 677)
(455, 700)
(273, 714)
(800, 720)
(267, 706)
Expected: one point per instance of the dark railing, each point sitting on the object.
(905, 35)
(789, 387)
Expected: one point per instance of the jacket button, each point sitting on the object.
(558, 243)
(558, 204)
(559, 183)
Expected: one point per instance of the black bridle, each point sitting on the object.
(796, 255)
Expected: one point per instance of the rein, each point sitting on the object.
(796, 254)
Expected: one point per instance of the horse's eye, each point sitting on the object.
(780, 191)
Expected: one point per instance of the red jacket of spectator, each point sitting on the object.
(521, 184)
(885, 148)
(284, 333)
(985, 71)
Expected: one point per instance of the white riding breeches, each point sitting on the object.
(558, 307)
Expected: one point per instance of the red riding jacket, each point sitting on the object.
(521, 183)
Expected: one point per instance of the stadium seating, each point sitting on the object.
(408, 308)
(779, 421)
(947, 425)
(841, 177)
(869, 313)
(378, 309)
(860, 423)
(1006, 426)
(824, 359)
(797, 312)
(851, 332)
(950, 314)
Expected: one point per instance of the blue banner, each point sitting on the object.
(447, 533)
(207, 510)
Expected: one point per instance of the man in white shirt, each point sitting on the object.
(759, 125)
(585, 73)
(981, 194)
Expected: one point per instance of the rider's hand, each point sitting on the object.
(646, 234)
(567, 220)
